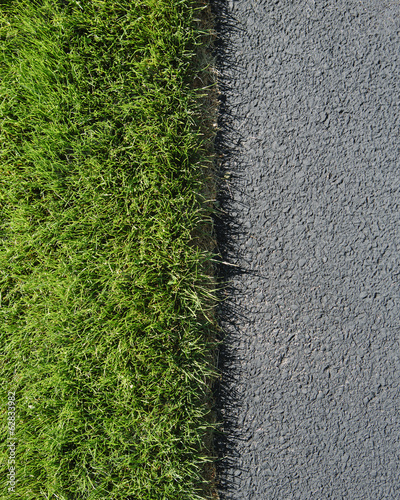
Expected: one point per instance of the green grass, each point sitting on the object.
(105, 334)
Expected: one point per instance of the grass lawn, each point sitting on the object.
(107, 332)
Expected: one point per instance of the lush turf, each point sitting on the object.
(104, 333)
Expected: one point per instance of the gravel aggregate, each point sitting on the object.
(309, 225)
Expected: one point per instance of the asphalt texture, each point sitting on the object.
(309, 235)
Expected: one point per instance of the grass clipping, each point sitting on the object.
(107, 331)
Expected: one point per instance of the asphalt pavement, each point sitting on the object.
(309, 234)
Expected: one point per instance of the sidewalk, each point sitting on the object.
(310, 129)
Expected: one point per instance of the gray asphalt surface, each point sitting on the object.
(310, 122)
